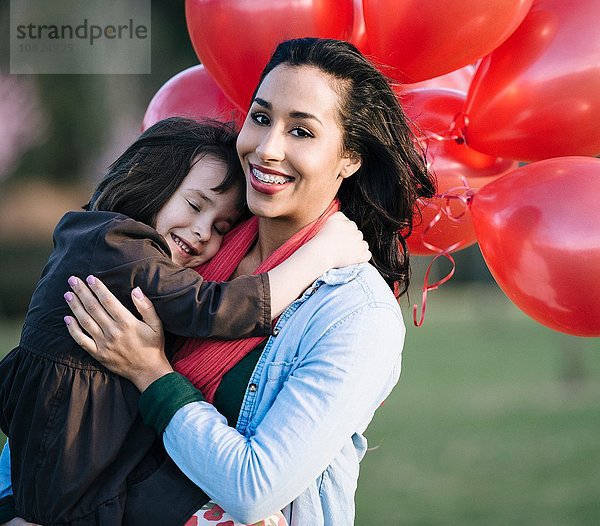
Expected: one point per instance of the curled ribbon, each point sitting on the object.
(456, 132)
(465, 198)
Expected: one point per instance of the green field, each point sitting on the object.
(495, 421)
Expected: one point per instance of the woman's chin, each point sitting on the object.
(260, 208)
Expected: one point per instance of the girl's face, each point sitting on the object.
(195, 218)
(290, 146)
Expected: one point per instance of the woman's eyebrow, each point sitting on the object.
(304, 115)
(263, 103)
(293, 114)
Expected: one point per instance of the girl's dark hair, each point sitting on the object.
(380, 197)
(149, 172)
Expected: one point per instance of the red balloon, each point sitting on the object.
(359, 31)
(537, 95)
(191, 93)
(234, 39)
(459, 79)
(444, 223)
(422, 39)
(539, 231)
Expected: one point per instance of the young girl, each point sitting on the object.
(163, 208)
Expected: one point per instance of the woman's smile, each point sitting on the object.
(268, 181)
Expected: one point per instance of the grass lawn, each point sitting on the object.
(495, 421)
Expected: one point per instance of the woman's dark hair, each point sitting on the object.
(380, 197)
(149, 172)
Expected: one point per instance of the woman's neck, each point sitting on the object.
(272, 233)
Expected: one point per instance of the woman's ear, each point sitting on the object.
(351, 162)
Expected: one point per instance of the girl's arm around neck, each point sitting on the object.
(338, 244)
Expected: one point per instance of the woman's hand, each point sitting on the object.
(125, 345)
(18, 521)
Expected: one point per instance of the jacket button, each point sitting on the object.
(275, 331)
(252, 388)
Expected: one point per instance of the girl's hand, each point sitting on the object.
(125, 345)
(340, 242)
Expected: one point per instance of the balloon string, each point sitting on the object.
(448, 196)
(446, 209)
(456, 132)
(427, 287)
(459, 126)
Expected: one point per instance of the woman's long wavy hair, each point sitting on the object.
(147, 174)
(380, 197)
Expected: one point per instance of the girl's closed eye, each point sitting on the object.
(194, 205)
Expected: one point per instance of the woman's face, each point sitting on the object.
(290, 145)
(195, 218)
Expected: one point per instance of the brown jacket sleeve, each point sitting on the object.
(131, 254)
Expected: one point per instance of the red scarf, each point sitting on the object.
(205, 361)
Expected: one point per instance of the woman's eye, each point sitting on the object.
(301, 132)
(195, 206)
(260, 118)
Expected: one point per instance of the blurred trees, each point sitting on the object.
(60, 133)
(82, 111)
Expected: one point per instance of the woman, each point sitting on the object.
(323, 123)
(163, 209)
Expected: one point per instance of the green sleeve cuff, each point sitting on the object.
(164, 397)
(7, 509)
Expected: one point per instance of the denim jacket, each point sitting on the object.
(333, 357)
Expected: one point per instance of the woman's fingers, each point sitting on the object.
(116, 310)
(106, 329)
(82, 339)
(145, 307)
(98, 301)
(86, 321)
(90, 302)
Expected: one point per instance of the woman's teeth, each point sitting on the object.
(270, 178)
(183, 246)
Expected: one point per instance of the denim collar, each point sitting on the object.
(335, 276)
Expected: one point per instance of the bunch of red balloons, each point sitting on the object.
(487, 85)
